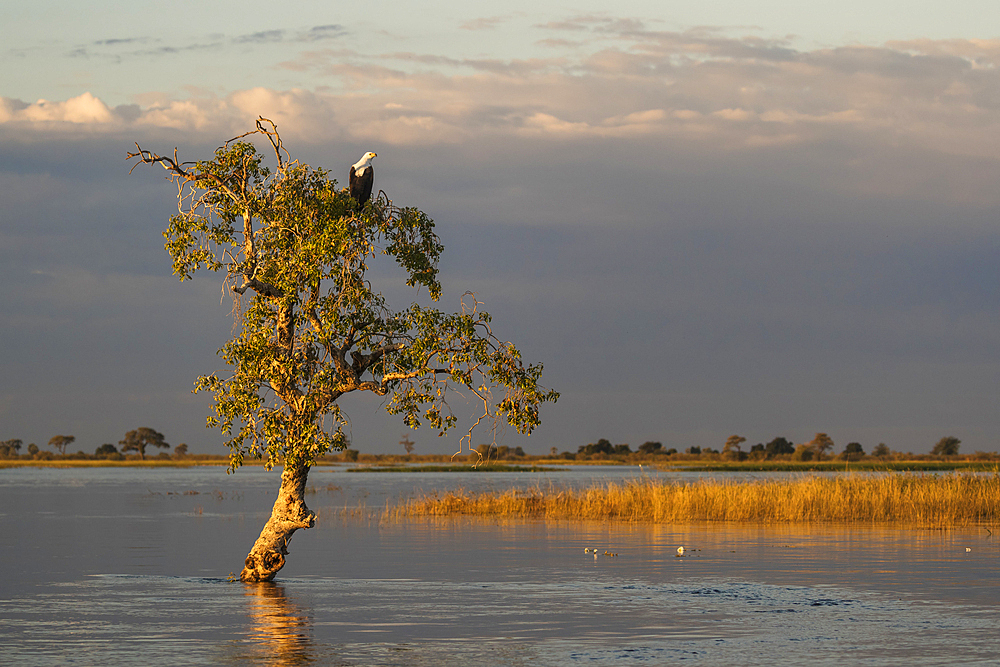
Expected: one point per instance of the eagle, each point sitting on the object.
(362, 178)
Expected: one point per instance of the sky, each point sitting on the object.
(765, 218)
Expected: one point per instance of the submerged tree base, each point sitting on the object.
(289, 514)
(913, 499)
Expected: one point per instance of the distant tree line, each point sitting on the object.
(136, 441)
(820, 448)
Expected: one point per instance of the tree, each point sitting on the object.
(407, 444)
(61, 442)
(820, 444)
(778, 446)
(602, 446)
(295, 252)
(881, 451)
(9, 448)
(106, 451)
(803, 452)
(947, 446)
(139, 439)
(180, 451)
(732, 446)
(33, 449)
(854, 451)
(650, 447)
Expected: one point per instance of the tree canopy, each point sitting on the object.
(777, 447)
(820, 444)
(732, 445)
(853, 451)
(9, 448)
(61, 442)
(312, 326)
(946, 446)
(140, 438)
(651, 447)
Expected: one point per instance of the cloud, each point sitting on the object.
(599, 23)
(118, 49)
(117, 56)
(280, 36)
(84, 109)
(263, 37)
(119, 41)
(721, 92)
(486, 23)
(322, 32)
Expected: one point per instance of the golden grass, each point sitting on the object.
(927, 500)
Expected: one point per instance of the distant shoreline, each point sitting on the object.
(392, 463)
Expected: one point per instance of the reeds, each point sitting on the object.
(929, 500)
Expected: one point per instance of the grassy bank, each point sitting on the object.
(925, 500)
(870, 465)
(99, 463)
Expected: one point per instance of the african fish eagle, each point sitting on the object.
(362, 178)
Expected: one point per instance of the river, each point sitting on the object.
(129, 566)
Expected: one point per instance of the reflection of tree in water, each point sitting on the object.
(281, 629)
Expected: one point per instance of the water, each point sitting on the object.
(129, 566)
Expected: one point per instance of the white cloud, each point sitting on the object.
(727, 93)
(80, 110)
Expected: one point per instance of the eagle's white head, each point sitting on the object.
(364, 162)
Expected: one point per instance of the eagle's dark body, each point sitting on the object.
(362, 179)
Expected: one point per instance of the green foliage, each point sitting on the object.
(733, 443)
(853, 451)
(650, 447)
(602, 446)
(820, 444)
(107, 450)
(61, 442)
(804, 452)
(295, 251)
(139, 439)
(946, 446)
(777, 447)
(9, 448)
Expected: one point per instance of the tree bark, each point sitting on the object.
(289, 514)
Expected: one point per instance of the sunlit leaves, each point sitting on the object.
(310, 326)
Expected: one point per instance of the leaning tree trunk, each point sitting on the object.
(288, 515)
